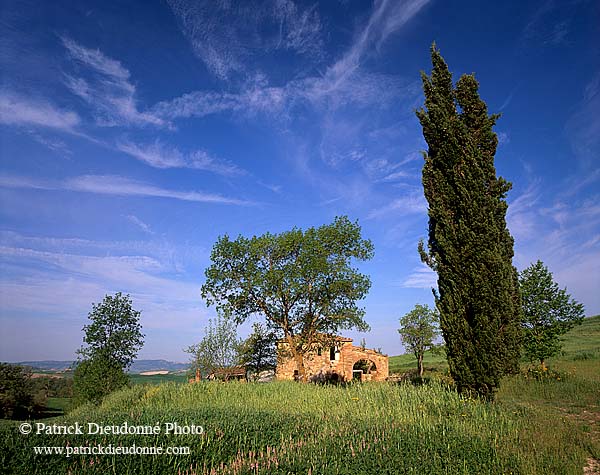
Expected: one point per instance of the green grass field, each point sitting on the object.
(537, 426)
(158, 378)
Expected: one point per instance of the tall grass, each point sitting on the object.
(539, 425)
(288, 427)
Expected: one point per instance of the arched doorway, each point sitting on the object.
(363, 370)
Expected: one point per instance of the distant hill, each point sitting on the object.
(138, 366)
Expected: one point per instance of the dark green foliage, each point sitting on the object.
(219, 349)
(301, 281)
(53, 387)
(258, 352)
(548, 312)
(93, 379)
(469, 244)
(112, 340)
(418, 330)
(16, 392)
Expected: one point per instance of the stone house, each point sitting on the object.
(342, 360)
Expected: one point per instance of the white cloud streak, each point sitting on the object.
(109, 91)
(422, 277)
(159, 155)
(16, 109)
(117, 186)
(139, 223)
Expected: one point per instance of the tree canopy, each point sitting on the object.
(548, 312)
(16, 397)
(418, 330)
(218, 349)
(258, 352)
(115, 331)
(111, 343)
(469, 244)
(302, 282)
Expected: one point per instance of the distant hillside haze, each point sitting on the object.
(138, 366)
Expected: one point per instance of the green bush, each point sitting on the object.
(94, 379)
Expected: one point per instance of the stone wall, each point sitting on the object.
(345, 357)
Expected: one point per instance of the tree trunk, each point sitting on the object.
(299, 358)
(420, 364)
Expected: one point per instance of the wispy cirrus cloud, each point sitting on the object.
(344, 82)
(139, 223)
(159, 155)
(53, 144)
(172, 257)
(562, 232)
(421, 277)
(226, 36)
(583, 127)
(107, 89)
(522, 216)
(550, 24)
(76, 280)
(16, 109)
(255, 97)
(413, 202)
(387, 17)
(118, 186)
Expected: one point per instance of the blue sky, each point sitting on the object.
(133, 134)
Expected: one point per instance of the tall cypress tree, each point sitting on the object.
(469, 244)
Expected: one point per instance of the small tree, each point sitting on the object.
(418, 330)
(301, 281)
(111, 343)
(258, 352)
(548, 312)
(219, 349)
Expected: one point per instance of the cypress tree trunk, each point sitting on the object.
(469, 244)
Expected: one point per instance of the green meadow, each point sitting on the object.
(541, 423)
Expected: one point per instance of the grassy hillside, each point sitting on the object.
(540, 424)
(288, 427)
(583, 340)
(581, 344)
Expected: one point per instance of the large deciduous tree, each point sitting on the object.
(469, 244)
(548, 312)
(301, 281)
(418, 330)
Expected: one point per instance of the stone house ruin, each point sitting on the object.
(342, 360)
